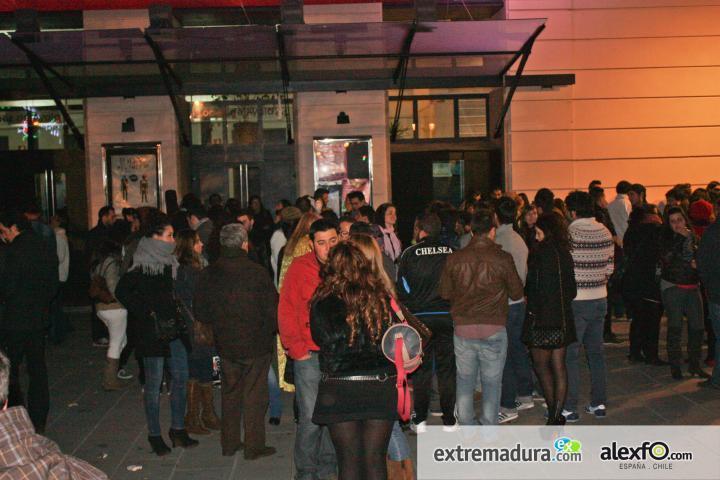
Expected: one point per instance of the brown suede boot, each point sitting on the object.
(192, 417)
(110, 380)
(208, 416)
(394, 470)
(408, 469)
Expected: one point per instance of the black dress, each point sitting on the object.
(550, 290)
(341, 400)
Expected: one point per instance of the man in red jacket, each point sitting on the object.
(314, 452)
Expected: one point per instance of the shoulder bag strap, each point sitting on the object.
(403, 389)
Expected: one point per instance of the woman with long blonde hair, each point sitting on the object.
(369, 247)
(297, 245)
(357, 400)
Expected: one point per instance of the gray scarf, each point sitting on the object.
(153, 256)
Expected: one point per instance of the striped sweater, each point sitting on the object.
(593, 254)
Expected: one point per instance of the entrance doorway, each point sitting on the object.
(419, 177)
(232, 180)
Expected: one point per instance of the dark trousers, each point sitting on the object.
(681, 303)
(28, 345)
(440, 353)
(645, 329)
(244, 399)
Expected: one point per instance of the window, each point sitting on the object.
(238, 119)
(472, 117)
(436, 119)
(38, 125)
(428, 118)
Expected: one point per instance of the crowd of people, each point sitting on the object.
(507, 290)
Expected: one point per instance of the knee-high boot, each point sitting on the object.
(192, 417)
(208, 416)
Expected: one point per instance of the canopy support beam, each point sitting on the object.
(285, 74)
(166, 73)
(401, 75)
(39, 66)
(524, 54)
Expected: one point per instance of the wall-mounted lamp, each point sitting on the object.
(128, 126)
(343, 118)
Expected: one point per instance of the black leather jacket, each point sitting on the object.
(331, 333)
(676, 254)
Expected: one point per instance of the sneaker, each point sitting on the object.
(101, 342)
(418, 428)
(451, 428)
(527, 404)
(571, 417)
(598, 411)
(505, 417)
(124, 375)
(436, 411)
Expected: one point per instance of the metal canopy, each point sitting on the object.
(259, 58)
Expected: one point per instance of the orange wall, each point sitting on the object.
(646, 103)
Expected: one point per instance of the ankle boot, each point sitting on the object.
(158, 445)
(192, 417)
(180, 438)
(208, 416)
(110, 380)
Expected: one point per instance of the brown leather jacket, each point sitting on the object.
(478, 281)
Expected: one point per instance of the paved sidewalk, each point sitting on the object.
(108, 429)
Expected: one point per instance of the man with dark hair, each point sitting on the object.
(419, 269)
(314, 454)
(26, 455)
(95, 237)
(593, 184)
(636, 195)
(344, 225)
(517, 380)
(356, 199)
(619, 209)
(544, 199)
(365, 214)
(496, 193)
(593, 253)
(478, 281)
(29, 282)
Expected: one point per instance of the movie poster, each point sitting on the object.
(343, 165)
(134, 180)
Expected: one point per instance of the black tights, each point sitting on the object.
(550, 369)
(361, 447)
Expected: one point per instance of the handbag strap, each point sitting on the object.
(403, 389)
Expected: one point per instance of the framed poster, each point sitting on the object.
(133, 175)
(343, 165)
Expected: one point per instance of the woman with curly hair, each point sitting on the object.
(357, 399)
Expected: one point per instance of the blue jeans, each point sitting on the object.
(398, 448)
(178, 365)
(589, 319)
(517, 378)
(275, 400)
(314, 452)
(714, 309)
(486, 357)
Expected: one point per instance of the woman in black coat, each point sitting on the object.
(357, 397)
(550, 289)
(146, 290)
